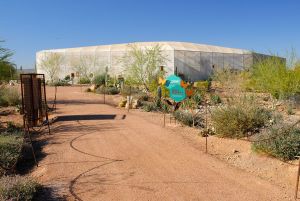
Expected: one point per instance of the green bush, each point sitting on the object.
(283, 143)
(107, 90)
(215, 99)
(127, 90)
(67, 78)
(10, 147)
(203, 85)
(149, 106)
(9, 96)
(60, 83)
(240, 118)
(99, 79)
(17, 188)
(113, 90)
(141, 96)
(84, 80)
(273, 76)
(188, 118)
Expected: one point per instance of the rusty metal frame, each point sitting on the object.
(35, 107)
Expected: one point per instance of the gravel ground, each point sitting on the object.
(99, 152)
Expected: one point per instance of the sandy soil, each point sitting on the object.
(99, 152)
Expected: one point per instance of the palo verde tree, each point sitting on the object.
(51, 64)
(142, 65)
(7, 68)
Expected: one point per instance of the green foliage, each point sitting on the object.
(188, 118)
(149, 106)
(67, 78)
(51, 64)
(232, 80)
(273, 76)
(113, 90)
(84, 80)
(10, 147)
(127, 91)
(107, 90)
(7, 68)
(9, 96)
(100, 79)
(283, 142)
(59, 83)
(215, 99)
(141, 96)
(7, 71)
(290, 110)
(240, 118)
(203, 85)
(156, 105)
(142, 66)
(194, 101)
(18, 188)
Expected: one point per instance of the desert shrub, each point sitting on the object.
(283, 143)
(165, 107)
(107, 90)
(17, 188)
(141, 96)
(99, 79)
(127, 90)
(113, 90)
(10, 146)
(240, 118)
(203, 85)
(188, 118)
(67, 78)
(215, 99)
(149, 106)
(273, 76)
(60, 83)
(88, 90)
(84, 80)
(9, 96)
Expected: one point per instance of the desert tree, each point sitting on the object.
(51, 63)
(142, 65)
(7, 68)
(84, 65)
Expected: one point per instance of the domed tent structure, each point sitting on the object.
(191, 61)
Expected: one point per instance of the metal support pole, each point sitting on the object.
(32, 150)
(206, 133)
(129, 99)
(164, 110)
(104, 95)
(47, 117)
(297, 181)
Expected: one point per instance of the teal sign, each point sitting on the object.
(173, 84)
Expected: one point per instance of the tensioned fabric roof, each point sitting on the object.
(183, 46)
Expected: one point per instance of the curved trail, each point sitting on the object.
(138, 160)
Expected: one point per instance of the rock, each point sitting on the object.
(93, 87)
(235, 151)
(122, 103)
(135, 103)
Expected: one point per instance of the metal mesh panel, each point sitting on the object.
(228, 61)
(218, 60)
(238, 61)
(248, 60)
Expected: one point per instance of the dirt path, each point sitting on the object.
(98, 152)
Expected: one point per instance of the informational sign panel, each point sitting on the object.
(177, 92)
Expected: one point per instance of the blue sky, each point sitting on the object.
(33, 25)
